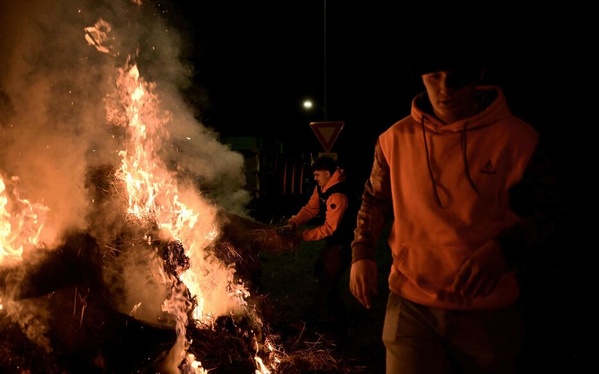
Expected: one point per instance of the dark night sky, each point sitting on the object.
(256, 61)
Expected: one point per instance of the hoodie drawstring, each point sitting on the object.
(430, 168)
(465, 157)
(463, 139)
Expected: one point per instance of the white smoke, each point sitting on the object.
(53, 123)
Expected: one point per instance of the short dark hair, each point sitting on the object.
(325, 163)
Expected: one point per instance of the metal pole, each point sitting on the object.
(325, 59)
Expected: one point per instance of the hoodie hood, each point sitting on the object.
(337, 177)
(490, 98)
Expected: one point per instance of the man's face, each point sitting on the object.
(451, 94)
(322, 177)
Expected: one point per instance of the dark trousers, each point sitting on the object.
(420, 339)
(332, 262)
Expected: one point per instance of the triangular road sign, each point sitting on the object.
(327, 133)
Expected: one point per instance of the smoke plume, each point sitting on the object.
(54, 82)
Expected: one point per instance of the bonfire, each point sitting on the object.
(122, 245)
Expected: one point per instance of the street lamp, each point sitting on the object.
(309, 105)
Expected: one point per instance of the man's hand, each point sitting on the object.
(289, 236)
(479, 274)
(363, 281)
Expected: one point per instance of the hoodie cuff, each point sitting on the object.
(362, 251)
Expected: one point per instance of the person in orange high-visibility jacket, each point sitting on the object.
(332, 202)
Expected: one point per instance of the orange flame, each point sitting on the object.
(21, 222)
(154, 194)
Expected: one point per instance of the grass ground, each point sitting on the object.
(288, 280)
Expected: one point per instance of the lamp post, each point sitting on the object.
(326, 131)
(324, 42)
(308, 104)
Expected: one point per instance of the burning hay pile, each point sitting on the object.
(95, 304)
(60, 316)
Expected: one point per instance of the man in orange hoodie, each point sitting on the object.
(449, 177)
(331, 200)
